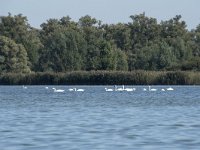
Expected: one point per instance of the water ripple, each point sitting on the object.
(37, 118)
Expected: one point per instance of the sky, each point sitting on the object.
(108, 11)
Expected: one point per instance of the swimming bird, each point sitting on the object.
(150, 89)
(58, 90)
(162, 89)
(46, 87)
(70, 90)
(120, 89)
(79, 90)
(24, 87)
(109, 90)
(170, 89)
(129, 89)
(144, 89)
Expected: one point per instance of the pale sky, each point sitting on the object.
(108, 11)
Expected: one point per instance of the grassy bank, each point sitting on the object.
(103, 78)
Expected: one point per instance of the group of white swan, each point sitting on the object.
(134, 89)
(60, 90)
(108, 89)
(167, 89)
(71, 90)
(153, 89)
(78, 90)
(120, 89)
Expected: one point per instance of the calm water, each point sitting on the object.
(39, 119)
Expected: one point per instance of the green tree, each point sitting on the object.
(196, 41)
(13, 57)
(62, 51)
(155, 56)
(119, 34)
(106, 56)
(17, 28)
(174, 28)
(166, 57)
(93, 36)
(143, 29)
(121, 60)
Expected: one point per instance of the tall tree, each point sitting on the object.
(62, 51)
(92, 35)
(196, 41)
(17, 28)
(121, 60)
(119, 34)
(13, 57)
(143, 30)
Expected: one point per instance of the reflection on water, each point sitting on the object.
(38, 118)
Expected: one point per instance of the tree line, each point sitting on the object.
(64, 45)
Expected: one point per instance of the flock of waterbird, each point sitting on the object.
(70, 90)
(109, 89)
(134, 89)
(61, 90)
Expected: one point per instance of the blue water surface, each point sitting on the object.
(36, 118)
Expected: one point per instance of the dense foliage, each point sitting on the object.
(63, 45)
(13, 57)
(139, 77)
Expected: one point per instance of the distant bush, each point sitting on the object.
(139, 77)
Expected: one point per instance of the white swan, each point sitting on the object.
(144, 89)
(79, 90)
(46, 87)
(120, 89)
(150, 89)
(58, 91)
(129, 89)
(24, 87)
(162, 89)
(76, 90)
(170, 89)
(109, 90)
(70, 90)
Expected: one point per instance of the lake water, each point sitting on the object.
(39, 119)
